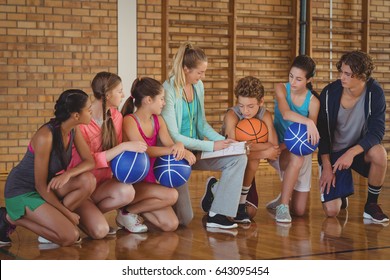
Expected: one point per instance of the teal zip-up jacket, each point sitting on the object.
(173, 114)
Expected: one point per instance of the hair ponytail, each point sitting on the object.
(101, 84)
(187, 56)
(70, 101)
(307, 64)
(141, 88)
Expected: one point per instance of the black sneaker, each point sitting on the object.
(220, 221)
(208, 197)
(374, 212)
(242, 217)
(5, 228)
(344, 203)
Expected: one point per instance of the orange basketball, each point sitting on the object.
(252, 130)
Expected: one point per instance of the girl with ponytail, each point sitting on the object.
(104, 138)
(145, 124)
(184, 114)
(295, 103)
(42, 193)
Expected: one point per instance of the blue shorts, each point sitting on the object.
(344, 181)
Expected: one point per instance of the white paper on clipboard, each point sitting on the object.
(237, 148)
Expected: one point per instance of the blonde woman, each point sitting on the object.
(184, 115)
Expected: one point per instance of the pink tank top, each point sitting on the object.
(150, 141)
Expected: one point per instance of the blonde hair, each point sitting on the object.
(188, 56)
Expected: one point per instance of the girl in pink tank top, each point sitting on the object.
(152, 200)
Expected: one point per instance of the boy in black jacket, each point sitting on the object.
(351, 124)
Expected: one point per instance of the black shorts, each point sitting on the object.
(344, 182)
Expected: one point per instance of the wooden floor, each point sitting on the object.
(311, 237)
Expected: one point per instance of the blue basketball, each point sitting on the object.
(130, 167)
(296, 141)
(170, 172)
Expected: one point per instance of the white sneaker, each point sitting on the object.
(112, 231)
(131, 222)
(42, 240)
(274, 203)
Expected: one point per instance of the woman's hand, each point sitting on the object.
(222, 144)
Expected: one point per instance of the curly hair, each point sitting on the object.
(361, 64)
(249, 87)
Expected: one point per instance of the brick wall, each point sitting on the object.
(263, 42)
(347, 35)
(47, 47)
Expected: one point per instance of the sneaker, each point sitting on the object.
(131, 222)
(374, 212)
(344, 203)
(42, 240)
(208, 196)
(371, 222)
(220, 221)
(242, 217)
(112, 231)
(5, 228)
(48, 246)
(283, 214)
(274, 203)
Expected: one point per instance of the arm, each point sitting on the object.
(171, 120)
(292, 116)
(327, 178)
(230, 120)
(42, 144)
(312, 131)
(177, 149)
(85, 165)
(270, 149)
(376, 120)
(322, 124)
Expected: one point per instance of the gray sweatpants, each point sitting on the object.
(226, 193)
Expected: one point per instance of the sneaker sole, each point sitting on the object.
(112, 231)
(368, 216)
(244, 221)
(214, 225)
(204, 195)
(283, 221)
(5, 243)
(43, 241)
